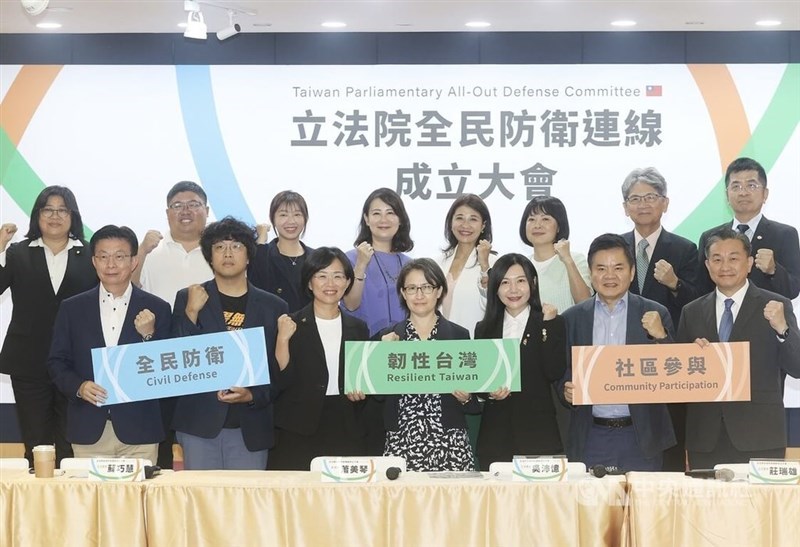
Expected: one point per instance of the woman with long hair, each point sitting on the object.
(524, 422)
(384, 236)
(466, 260)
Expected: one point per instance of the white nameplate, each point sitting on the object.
(763, 471)
(349, 469)
(117, 469)
(539, 468)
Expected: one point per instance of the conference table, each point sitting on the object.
(669, 509)
(230, 508)
(242, 508)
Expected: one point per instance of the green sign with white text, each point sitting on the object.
(431, 366)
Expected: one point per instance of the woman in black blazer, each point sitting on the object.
(277, 265)
(313, 415)
(51, 264)
(428, 430)
(521, 423)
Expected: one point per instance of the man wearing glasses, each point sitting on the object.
(230, 428)
(775, 247)
(115, 312)
(666, 270)
(169, 263)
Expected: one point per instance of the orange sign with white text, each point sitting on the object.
(661, 373)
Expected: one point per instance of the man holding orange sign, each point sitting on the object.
(630, 437)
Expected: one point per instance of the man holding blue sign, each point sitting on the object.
(113, 313)
(231, 428)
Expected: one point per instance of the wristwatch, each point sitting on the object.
(783, 335)
(147, 337)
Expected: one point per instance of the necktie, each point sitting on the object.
(726, 325)
(642, 262)
(743, 228)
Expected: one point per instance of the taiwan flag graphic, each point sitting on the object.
(653, 91)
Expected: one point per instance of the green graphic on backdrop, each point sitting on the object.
(431, 366)
(766, 144)
(20, 180)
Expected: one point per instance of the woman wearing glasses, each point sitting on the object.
(384, 235)
(429, 431)
(467, 259)
(313, 415)
(524, 422)
(51, 264)
(277, 265)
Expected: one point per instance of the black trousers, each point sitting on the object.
(725, 452)
(42, 416)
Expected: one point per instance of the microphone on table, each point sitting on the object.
(151, 471)
(392, 473)
(601, 471)
(725, 475)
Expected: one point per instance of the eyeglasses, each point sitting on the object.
(192, 205)
(750, 187)
(51, 212)
(411, 290)
(117, 258)
(234, 247)
(647, 198)
(336, 278)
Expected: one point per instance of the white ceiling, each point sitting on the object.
(162, 16)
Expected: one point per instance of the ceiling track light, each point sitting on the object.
(231, 30)
(196, 27)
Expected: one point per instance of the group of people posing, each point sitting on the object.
(71, 295)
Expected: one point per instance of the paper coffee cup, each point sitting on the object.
(44, 461)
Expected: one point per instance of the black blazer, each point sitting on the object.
(758, 424)
(682, 254)
(201, 414)
(304, 381)
(783, 241)
(269, 271)
(77, 330)
(528, 417)
(29, 334)
(452, 411)
(651, 422)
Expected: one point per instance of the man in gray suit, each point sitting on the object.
(738, 310)
(630, 437)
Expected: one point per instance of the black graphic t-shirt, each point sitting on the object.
(233, 308)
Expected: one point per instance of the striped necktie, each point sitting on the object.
(726, 324)
(642, 262)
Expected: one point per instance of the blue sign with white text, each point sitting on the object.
(182, 366)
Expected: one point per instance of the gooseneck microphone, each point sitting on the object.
(601, 471)
(724, 474)
(392, 473)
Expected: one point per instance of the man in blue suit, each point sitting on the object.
(113, 313)
(231, 428)
(630, 437)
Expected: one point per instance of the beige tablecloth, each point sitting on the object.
(64, 511)
(668, 509)
(295, 508)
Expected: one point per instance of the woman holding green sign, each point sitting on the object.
(429, 431)
(521, 423)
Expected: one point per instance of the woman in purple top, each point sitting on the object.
(384, 235)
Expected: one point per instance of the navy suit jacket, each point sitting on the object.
(77, 330)
(758, 424)
(651, 422)
(783, 241)
(202, 414)
(682, 255)
(29, 334)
